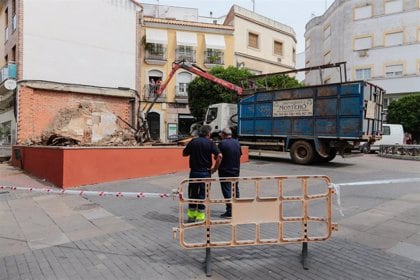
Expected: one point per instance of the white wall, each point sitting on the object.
(90, 42)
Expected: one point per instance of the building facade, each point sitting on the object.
(379, 40)
(165, 41)
(261, 44)
(48, 56)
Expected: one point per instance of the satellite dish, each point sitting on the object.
(10, 84)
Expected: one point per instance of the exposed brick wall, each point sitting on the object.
(37, 108)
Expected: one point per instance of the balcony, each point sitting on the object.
(212, 58)
(8, 71)
(150, 93)
(181, 94)
(187, 55)
(156, 57)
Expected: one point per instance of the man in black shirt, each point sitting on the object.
(229, 167)
(200, 151)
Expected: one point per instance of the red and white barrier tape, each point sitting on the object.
(91, 193)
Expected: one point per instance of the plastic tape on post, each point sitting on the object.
(91, 193)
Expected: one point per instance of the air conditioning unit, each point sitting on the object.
(363, 53)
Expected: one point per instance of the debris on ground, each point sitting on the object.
(87, 125)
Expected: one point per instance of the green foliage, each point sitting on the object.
(202, 92)
(4, 130)
(406, 111)
(278, 82)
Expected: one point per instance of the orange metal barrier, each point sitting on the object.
(270, 210)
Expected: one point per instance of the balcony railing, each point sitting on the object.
(8, 71)
(181, 92)
(213, 57)
(156, 55)
(186, 55)
(150, 93)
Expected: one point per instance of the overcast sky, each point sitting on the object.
(295, 13)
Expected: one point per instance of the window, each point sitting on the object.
(183, 79)
(363, 43)
(327, 31)
(393, 6)
(185, 52)
(253, 40)
(213, 56)
(6, 132)
(6, 24)
(14, 58)
(294, 54)
(386, 130)
(394, 39)
(14, 22)
(211, 115)
(6, 17)
(278, 48)
(395, 70)
(363, 74)
(362, 12)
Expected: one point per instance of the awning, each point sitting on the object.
(186, 39)
(156, 36)
(215, 41)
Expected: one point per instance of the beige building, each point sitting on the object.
(165, 41)
(262, 45)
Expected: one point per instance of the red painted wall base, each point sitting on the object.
(68, 167)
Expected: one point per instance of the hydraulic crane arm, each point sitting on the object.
(199, 72)
(190, 68)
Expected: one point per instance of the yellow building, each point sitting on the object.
(164, 41)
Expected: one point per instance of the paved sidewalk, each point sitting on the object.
(71, 237)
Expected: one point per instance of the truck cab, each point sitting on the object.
(221, 115)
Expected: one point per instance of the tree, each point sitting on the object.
(202, 92)
(406, 111)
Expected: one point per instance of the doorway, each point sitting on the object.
(153, 120)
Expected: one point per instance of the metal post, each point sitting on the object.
(208, 262)
(305, 255)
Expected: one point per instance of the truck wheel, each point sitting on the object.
(365, 148)
(302, 152)
(331, 155)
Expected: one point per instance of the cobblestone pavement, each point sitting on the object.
(71, 237)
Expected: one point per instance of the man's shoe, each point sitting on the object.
(190, 220)
(226, 215)
(201, 216)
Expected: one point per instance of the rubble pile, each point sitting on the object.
(87, 125)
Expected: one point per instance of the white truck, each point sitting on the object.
(392, 134)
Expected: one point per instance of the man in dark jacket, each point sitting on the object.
(230, 166)
(200, 151)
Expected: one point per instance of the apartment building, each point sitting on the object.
(379, 40)
(57, 54)
(261, 44)
(165, 41)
